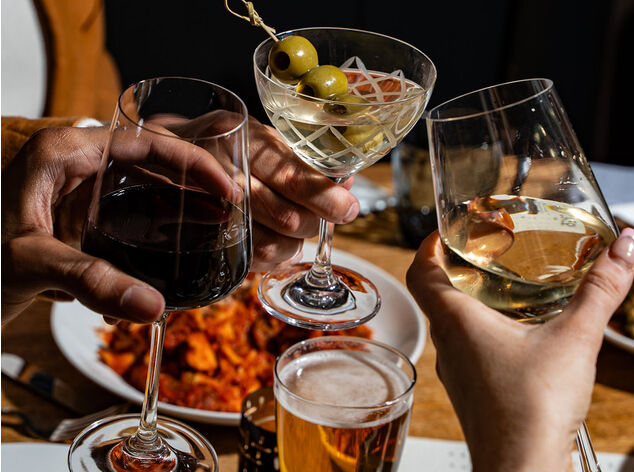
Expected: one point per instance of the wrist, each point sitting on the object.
(520, 450)
(530, 461)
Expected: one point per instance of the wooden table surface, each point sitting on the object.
(610, 419)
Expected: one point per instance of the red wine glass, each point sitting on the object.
(170, 206)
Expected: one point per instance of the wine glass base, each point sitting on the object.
(284, 295)
(95, 447)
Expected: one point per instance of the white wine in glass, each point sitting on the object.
(522, 255)
(519, 210)
(520, 213)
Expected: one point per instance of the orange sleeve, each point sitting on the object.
(82, 76)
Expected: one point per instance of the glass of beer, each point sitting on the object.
(343, 405)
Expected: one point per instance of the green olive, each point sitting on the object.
(292, 57)
(371, 137)
(323, 82)
(349, 105)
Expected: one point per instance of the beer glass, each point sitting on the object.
(343, 404)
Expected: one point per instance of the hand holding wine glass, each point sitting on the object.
(58, 166)
(521, 391)
(520, 214)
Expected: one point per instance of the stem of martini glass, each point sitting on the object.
(320, 289)
(321, 274)
(146, 439)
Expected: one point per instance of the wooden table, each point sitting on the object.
(610, 419)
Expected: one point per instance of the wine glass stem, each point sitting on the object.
(146, 437)
(587, 457)
(321, 274)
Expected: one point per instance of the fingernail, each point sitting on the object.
(623, 247)
(142, 303)
(353, 211)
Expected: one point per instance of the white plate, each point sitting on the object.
(625, 211)
(399, 323)
(34, 456)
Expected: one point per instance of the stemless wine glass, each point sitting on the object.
(391, 82)
(342, 404)
(170, 207)
(520, 214)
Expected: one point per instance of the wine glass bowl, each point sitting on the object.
(170, 206)
(520, 214)
(389, 84)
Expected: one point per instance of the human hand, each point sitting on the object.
(46, 188)
(288, 198)
(520, 391)
(45, 192)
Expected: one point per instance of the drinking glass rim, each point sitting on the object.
(240, 125)
(356, 30)
(549, 85)
(385, 404)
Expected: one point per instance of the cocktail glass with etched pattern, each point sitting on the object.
(393, 81)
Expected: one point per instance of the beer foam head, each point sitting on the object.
(346, 383)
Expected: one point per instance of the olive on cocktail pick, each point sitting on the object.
(366, 138)
(291, 57)
(323, 82)
(347, 105)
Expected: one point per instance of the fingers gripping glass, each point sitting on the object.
(520, 213)
(170, 207)
(389, 84)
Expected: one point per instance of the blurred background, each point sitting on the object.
(71, 58)
(585, 46)
(54, 63)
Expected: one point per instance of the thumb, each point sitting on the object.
(446, 307)
(40, 262)
(605, 285)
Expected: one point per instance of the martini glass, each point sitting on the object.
(338, 139)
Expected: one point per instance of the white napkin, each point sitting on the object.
(439, 455)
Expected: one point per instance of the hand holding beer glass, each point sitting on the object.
(343, 405)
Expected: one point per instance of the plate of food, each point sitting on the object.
(214, 356)
(620, 330)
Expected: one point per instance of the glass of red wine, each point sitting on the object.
(170, 207)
